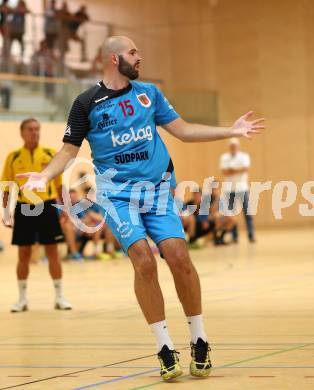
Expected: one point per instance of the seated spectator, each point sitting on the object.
(44, 63)
(69, 232)
(210, 220)
(223, 223)
(5, 11)
(44, 60)
(64, 16)
(199, 225)
(52, 25)
(74, 22)
(17, 25)
(5, 93)
(92, 216)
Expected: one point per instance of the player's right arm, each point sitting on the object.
(39, 180)
(77, 128)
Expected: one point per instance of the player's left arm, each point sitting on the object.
(192, 132)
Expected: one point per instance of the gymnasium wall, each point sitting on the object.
(254, 55)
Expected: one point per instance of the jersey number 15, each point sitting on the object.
(127, 108)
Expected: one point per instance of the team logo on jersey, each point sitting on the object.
(144, 100)
(68, 130)
(125, 229)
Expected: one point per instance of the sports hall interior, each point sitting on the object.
(214, 60)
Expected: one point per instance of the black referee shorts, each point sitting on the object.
(43, 228)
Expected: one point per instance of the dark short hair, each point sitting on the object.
(26, 121)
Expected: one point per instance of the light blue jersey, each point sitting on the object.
(128, 153)
(121, 128)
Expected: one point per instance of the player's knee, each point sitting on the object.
(181, 262)
(146, 269)
(184, 268)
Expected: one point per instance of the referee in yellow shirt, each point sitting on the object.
(29, 225)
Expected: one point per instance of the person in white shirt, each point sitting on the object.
(234, 166)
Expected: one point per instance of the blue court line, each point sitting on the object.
(116, 379)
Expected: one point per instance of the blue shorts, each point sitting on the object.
(150, 215)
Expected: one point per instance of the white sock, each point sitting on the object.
(98, 248)
(58, 287)
(109, 247)
(160, 331)
(22, 289)
(196, 326)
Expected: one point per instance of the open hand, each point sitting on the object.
(244, 128)
(36, 181)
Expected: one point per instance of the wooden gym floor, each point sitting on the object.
(259, 309)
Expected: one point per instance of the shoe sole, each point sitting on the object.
(173, 376)
(200, 373)
(58, 307)
(25, 308)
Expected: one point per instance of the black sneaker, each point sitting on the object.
(169, 363)
(200, 364)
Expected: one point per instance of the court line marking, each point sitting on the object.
(78, 372)
(153, 344)
(231, 364)
(111, 376)
(124, 348)
(115, 380)
(69, 376)
(144, 367)
(262, 376)
(143, 357)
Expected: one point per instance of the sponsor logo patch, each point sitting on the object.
(106, 122)
(144, 100)
(126, 138)
(126, 158)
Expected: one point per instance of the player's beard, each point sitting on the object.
(127, 69)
